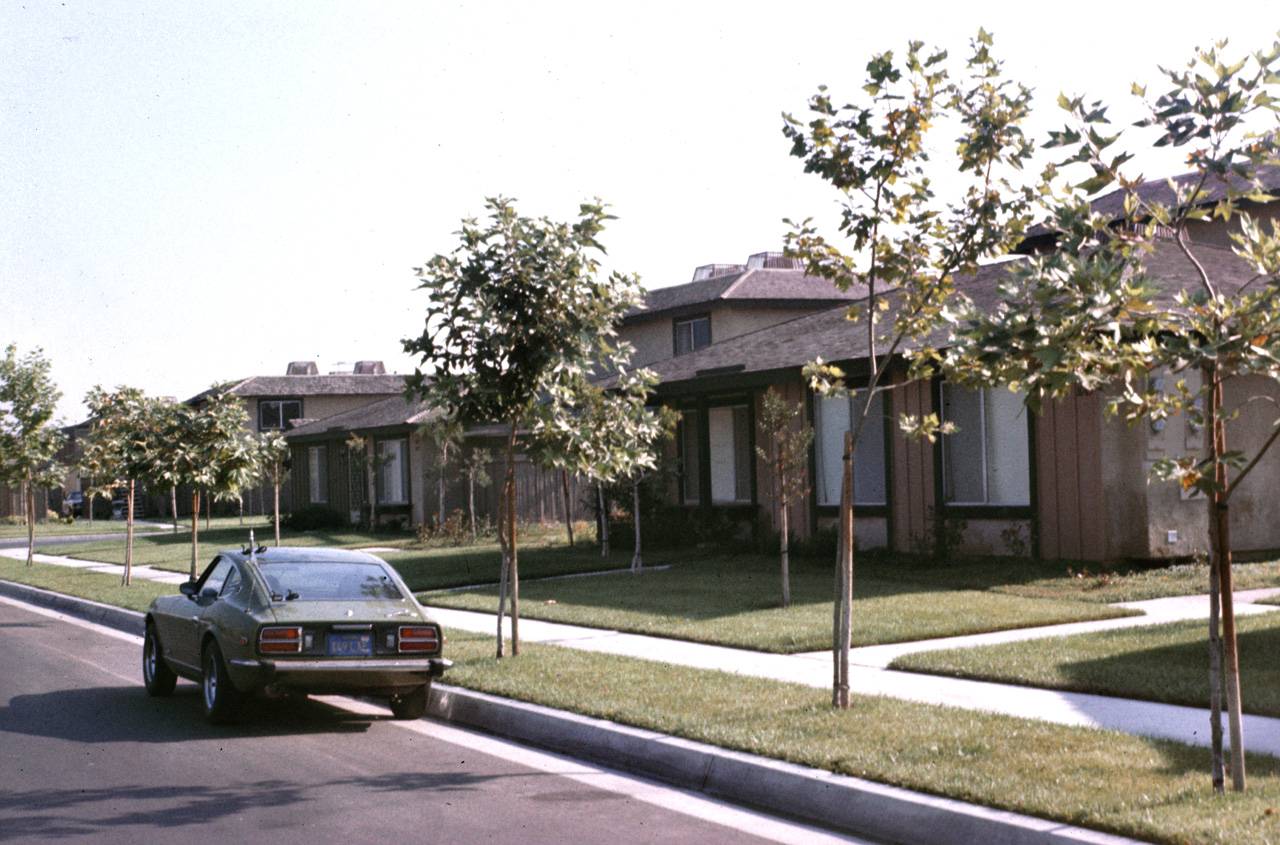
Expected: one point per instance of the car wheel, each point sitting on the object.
(412, 704)
(156, 674)
(221, 699)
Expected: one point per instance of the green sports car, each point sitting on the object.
(281, 621)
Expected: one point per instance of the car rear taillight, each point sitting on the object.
(280, 640)
(419, 638)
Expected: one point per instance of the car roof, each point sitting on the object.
(295, 554)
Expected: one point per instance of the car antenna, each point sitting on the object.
(250, 551)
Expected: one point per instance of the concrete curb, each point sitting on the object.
(812, 795)
(129, 621)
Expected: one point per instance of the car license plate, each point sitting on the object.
(351, 645)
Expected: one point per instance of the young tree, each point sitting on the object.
(908, 246)
(786, 450)
(610, 436)
(476, 467)
(447, 435)
(29, 442)
(518, 317)
(1090, 316)
(120, 449)
(366, 458)
(273, 462)
(208, 450)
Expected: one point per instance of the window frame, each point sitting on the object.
(280, 405)
(689, 320)
(380, 476)
(743, 457)
(861, 506)
(318, 474)
(984, 509)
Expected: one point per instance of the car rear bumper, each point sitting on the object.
(321, 676)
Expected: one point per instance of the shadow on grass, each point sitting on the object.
(1179, 673)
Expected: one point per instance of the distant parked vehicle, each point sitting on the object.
(73, 503)
(292, 620)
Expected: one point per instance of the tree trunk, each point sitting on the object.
(471, 504)
(604, 523)
(844, 583)
(276, 511)
(1215, 676)
(635, 507)
(444, 461)
(568, 508)
(1219, 520)
(195, 529)
(173, 506)
(208, 511)
(29, 505)
(786, 559)
(511, 529)
(128, 533)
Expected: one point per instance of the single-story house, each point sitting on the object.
(1066, 483)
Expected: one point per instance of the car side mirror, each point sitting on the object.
(188, 589)
(209, 594)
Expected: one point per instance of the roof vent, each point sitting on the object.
(774, 261)
(711, 271)
(302, 368)
(370, 368)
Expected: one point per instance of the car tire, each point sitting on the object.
(412, 704)
(156, 674)
(221, 698)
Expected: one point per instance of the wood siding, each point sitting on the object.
(912, 461)
(1068, 454)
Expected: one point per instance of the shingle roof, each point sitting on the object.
(337, 384)
(1111, 204)
(762, 286)
(831, 336)
(386, 413)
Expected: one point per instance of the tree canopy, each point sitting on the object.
(29, 442)
(517, 319)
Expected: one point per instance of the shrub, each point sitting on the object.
(313, 518)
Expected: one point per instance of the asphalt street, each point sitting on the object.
(88, 756)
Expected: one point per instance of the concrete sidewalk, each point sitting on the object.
(868, 675)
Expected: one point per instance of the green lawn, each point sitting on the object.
(170, 551)
(1168, 663)
(97, 586)
(1154, 790)
(734, 600)
(1072, 580)
(62, 529)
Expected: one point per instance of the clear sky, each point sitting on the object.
(200, 191)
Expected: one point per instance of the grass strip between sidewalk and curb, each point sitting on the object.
(1151, 789)
(1167, 663)
(1144, 788)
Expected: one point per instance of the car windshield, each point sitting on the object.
(327, 581)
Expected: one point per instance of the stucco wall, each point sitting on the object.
(1255, 506)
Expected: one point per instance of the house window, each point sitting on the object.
(692, 334)
(276, 414)
(730, 431)
(987, 460)
(834, 417)
(318, 474)
(393, 472)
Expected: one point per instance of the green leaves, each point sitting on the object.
(29, 442)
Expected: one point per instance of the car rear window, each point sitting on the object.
(321, 581)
